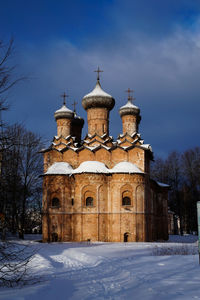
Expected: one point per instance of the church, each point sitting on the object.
(98, 188)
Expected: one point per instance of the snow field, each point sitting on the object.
(111, 271)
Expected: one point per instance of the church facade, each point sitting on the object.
(98, 188)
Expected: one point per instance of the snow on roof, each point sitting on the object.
(125, 167)
(91, 167)
(91, 147)
(147, 147)
(63, 109)
(134, 133)
(74, 148)
(61, 168)
(129, 105)
(162, 184)
(97, 91)
(106, 147)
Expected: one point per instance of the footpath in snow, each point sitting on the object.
(112, 271)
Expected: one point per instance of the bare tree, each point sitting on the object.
(18, 162)
(31, 167)
(182, 173)
(14, 260)
(21, 186)
(191, 186)
(7, 76)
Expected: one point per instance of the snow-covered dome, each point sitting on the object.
(63, 112)
(129, 109)
(59, 168)
(91, 167)
(125, 167)
(98, 98)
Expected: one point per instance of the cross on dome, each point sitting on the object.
(98, 71)
(130, 97)
(64, 96)
(74, 105)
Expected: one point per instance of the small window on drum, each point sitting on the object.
(89, 201)
(126, 201)
(55, 202)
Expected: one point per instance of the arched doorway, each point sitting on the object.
(126, 237)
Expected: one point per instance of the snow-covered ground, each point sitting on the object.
(112, 271)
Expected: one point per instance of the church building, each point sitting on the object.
(98, 188)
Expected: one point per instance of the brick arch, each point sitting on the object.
(88, 191)
(126, 195)
(55, 194)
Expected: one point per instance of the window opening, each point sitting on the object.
(89, 201)
(126, 201)
(55, 202)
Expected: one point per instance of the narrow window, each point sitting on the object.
(89, 201)
(126, 201)
(55, 202)
(72, 201)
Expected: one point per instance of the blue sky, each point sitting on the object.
(151, 46)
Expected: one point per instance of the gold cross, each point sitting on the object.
(64, 96)
(74, 105)
(98, 71)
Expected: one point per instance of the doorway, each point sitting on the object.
(126, 237)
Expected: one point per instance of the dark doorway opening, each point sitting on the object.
(54, 237)
(126, 237)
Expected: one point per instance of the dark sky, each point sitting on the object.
(151, 46)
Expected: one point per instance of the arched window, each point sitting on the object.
(126, 201)
(89, 201)
(55, 202)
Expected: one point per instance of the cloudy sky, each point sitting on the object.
(151, 46)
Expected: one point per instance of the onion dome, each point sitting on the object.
(129, 109)
(64, 112)
(98, 98)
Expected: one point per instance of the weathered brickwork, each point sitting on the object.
(112, 205)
